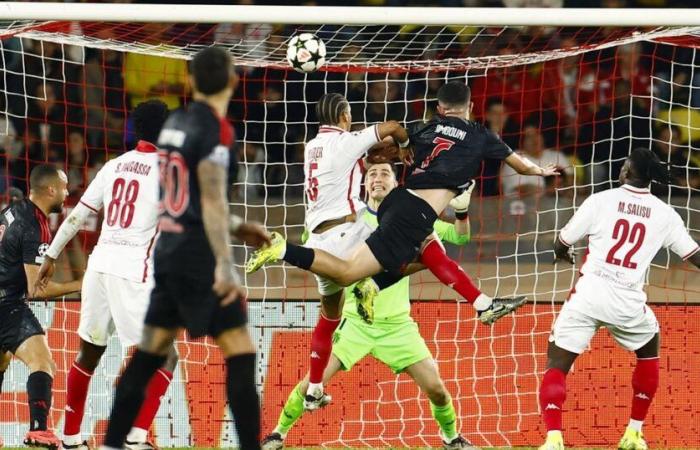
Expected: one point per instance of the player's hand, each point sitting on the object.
(253, 234)
(569, 256)
(44, 275)
(225, 285)
(462, 201)
(549, 170)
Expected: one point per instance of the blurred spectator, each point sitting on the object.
(11, 168)
(148, 76)
(683, 161)
(498, 121)
(104, 99)
(678, 112)
(46, 124)
(533, 148)
(384, 101)
(79, 171)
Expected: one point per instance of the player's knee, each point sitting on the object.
(437, 393)
(42, 364)
(89, 355)
(173, 358)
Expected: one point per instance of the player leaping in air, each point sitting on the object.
(119, 276)
(393, 338)
(626, 227)
(448, 152)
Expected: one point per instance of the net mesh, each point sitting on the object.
(581, 98)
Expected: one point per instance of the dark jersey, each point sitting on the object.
(448, 152)
(189, 136)
(24, 238)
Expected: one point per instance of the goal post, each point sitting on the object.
(577, 87)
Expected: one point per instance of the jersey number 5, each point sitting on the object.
(312, 190)
(441, 145)
(121, 208)
(621, 232)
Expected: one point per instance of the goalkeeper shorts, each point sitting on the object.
(396, 345)
(574, 329)
(405, 220)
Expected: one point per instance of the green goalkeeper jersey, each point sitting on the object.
(393, 305)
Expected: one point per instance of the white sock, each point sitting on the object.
(553, 433)
(482, 302)
(76, 439)
(636, 425)
(313, 388)
(137, 435)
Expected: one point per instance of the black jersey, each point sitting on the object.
(24, 239)
(449, 152)
(189, 136)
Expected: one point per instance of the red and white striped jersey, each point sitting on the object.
(333, 172)
(127, 188)
(626, 227)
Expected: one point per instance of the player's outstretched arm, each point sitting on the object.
(49, 290)
(524, 166)
(67, 231)
(394, 130)
(215, 216)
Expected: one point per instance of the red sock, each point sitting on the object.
(645, 380)
(321, 346)
(448, 271)
(77, 386)
(156, 389)
(552, 396)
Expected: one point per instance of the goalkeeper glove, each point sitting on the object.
(461, 203)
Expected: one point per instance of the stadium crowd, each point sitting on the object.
(71, 105)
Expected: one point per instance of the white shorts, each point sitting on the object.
(339, 241)
(573, 330)
(110, 302)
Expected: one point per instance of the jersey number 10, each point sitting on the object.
(622, 232)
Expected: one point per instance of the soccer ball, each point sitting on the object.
(306, 52)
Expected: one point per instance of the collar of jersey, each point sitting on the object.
(329, 129)
(145, 147)
(371, 211)
(636, 190)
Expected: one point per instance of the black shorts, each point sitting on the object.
(179, 300)
(405, 220)
(17, 324)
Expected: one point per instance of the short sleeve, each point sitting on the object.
(94, 194)
(216, 146)
(494, 147)
(357, 143)
(33, 249)
(678, 240)
(580, 224)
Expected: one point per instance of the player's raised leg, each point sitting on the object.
(645, 381)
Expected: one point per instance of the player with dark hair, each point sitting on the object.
(24, 239)
(448, 152)
(119, 276)
(195, 284)
(626, 227)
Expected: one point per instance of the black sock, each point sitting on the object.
(386, 279)
(243, 399)
(2, 377)
(299, 256)
(129, 396)
(39, 394)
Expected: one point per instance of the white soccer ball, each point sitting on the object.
(306, 52)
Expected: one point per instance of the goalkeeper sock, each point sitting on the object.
(301, 257)
(645, 381)
(243, 399)
(446, 418)
(39, 395)
(129, 396)
(448, 271)
(156, 389)
(77, 384)
(293, 409)
(321, 346)
(552, 396)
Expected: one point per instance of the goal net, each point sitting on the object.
(580, 97)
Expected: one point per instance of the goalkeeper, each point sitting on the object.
(393, 338)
